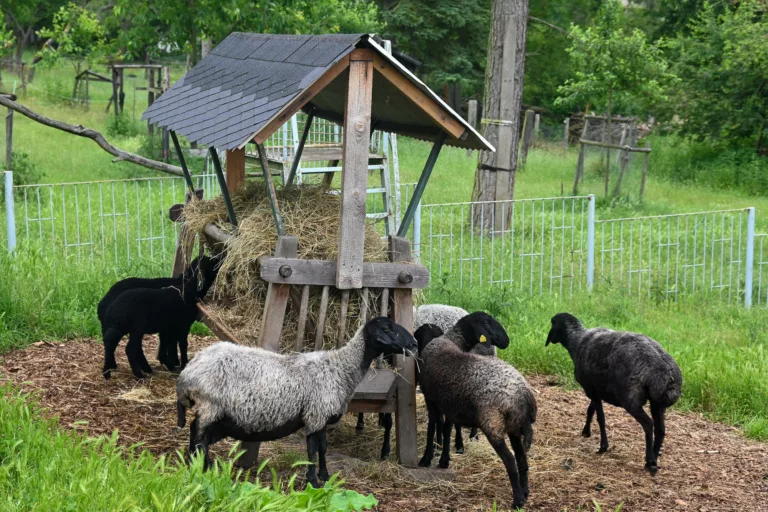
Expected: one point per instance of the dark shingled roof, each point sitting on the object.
(247, 79)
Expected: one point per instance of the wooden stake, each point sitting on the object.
(277, 299)
(354, 176)
(321, 319)
(303, 310)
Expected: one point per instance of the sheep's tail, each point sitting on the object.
(665, 389)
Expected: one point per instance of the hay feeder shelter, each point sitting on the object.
(244, 91)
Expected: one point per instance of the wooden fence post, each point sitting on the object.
(579, 170)
(528, 126)
(471, 117)
(566, 133)
(9, 140)
(277, 299)
(645, 170)
(536, 122)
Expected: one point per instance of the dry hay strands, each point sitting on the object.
(310, 213)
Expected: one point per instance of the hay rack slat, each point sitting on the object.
(243, 92)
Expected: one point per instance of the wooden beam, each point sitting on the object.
(400, 250)
(271, 194)
(299, 272)
(292, 107)
(235, 169)
(183, 252)
(321, 318)
(354, 176)
(222, 185)
(277, 299)
(216, 328)
(615, 146)
(428, 105)
(300, 149)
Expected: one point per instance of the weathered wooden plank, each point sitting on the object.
(372, 406)
(303, 311)
(300, 149)
(321, 318)
(277, 299)
(183, 253)
(579, 170)
(235, 169)
(291, 108)
(645, 170)
(429, 106)
(615, 146)
(400, 250)
(323, 273)
(216, 327)
(354, 177)
(528, 130)
(364, 295)
(341, 340)
(377, 385)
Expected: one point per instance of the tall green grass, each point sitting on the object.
(45, 468)
(722, 350)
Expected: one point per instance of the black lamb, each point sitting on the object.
(169, 312)
(625, 369)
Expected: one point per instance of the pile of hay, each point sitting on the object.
(311, 214)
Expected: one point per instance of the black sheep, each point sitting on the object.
(166, 353)
(625, 369)
(169, 311)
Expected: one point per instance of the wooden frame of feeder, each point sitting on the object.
(290, 278)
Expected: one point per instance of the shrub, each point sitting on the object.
(123, 126)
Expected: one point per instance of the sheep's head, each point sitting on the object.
(480, 327)
(425, 334)
(386, 337)
(562, 323)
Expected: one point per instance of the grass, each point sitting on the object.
(722, 350)
(45, 468)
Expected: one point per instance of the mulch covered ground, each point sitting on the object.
(706, 467)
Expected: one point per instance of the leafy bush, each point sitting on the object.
(24, 171)
(123, 126)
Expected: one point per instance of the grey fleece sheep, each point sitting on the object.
(255, 395)
(481, 392)
(625, 369)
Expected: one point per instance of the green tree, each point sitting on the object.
(613, 65)
(450, 38)
(723, 65)
(23, 16)
(78, 36)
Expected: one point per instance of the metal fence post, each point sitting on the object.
(591, 242)
(417, 234)
(10, 216)
(750, 257)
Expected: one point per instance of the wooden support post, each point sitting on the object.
(303, 311)
(300, 149)
(645, 170)
(235, 168)
(341, 339)
(277, 299)
(617, 190)
(271, 194)
(321, 318)
(400, 250)
(536, 122)
(471, 117)
(166, 85)
(9, 140)
(528, 127)
(421, 185)
(354, 176)
(151, 99)
(182, 162)
(579, 170)
(121, 74)
(622, 141)
(566, 133)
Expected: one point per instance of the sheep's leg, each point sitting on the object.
(313, 447)
(385, 447)
(360, 423)
(111, 340)
(598, 406)
(183, 347)
(323, 473)
(193, 435)
(134, 353)
(473, 434)
(439, 421)
(521, 456)
(166, 352)
(646, 422)
(445, 456)
(502, 450)
(202, 442)
(429, 451)
(143, 361)
(659, 429)
(459, 443)
(251, 456)
(587, 432)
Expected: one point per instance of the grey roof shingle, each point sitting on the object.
(245, 81)
(230, 94)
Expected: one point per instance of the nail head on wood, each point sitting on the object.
(285, 271)
(405, 277)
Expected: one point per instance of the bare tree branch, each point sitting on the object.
(550, 25)
(95, 136)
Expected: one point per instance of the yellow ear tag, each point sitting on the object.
(482, 338)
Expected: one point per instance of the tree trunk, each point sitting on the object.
(495, 175)
(610, 141)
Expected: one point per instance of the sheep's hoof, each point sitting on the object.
(324, 476)
(107, 374)
(651, 468)
(385, 454)
(517, 504)
(425, 462)
(443, 464)
(314, 483)
(586, 433)
(460, 450)
(603, 448)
